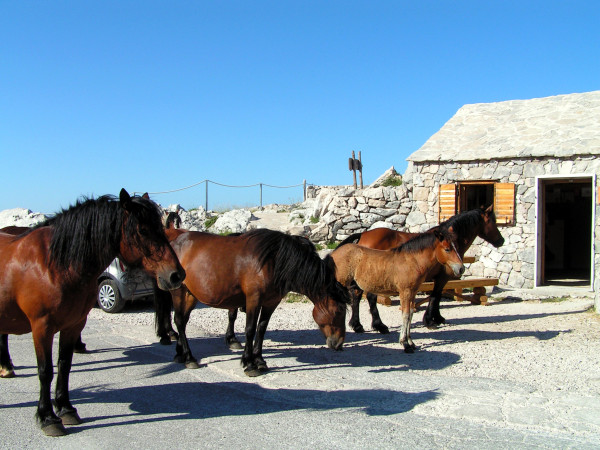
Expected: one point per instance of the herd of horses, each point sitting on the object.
(48, 280)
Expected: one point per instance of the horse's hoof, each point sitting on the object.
(165, 340)
(192, 365)
(358, 328)
(70, 418)
(234, 345)
(54, 429)
(262, 366)
(7, 373)
(383, 329)
(173, 336)
(408, 349)
(179, 359)
(253, 372)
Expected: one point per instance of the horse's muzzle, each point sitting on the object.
(498, 243)
(174, 280)
(335, 343)
(458, 269)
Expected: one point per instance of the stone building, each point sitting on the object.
(537, 161)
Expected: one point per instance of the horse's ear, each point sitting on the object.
(146, 196)
(489, 209)
(438, 234)
(124, 199)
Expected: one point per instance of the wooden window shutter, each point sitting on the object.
(504, 203)
(447, 201)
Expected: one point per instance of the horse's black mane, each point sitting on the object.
(462, 224)
(423, 241)
(296, 265)
(87, 235)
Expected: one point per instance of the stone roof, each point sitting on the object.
(558, 126)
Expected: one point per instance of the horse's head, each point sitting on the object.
(489, 231)
(144, 243)
(329, 312)
(171, 220)
(446, 252)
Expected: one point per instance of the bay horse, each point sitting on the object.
(399, 271)
(7, 369)
(479, 222)
(252, 270)
(170, 220)
(48, 281)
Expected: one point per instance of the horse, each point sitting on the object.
(48, 281)
(399, 271)
(170, 220)
(253, 270)
(7, 369)
(479, 222)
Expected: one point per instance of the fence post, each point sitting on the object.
(261, 194)
(206, 197)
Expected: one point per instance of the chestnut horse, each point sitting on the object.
(467, 226)
(399, 271)
(48, 281)
(253, 270)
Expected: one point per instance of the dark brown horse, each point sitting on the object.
(48, 281)
(467, 226)
(253, 270)
(399, 271)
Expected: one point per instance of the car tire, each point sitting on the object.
(109, 297)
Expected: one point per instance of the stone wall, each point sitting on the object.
(413, 206)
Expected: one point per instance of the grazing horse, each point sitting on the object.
(253, 270)
(48, 281)
(467, 226)
(399, 271)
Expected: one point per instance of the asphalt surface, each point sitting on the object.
(130, 394)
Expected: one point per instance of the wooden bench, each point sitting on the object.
(455, 288)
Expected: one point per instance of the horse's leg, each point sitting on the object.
(432, 317)
(250, 367)
(230, 339)
(64, 408)
(356, 294)
(79, 346)
(376, 323)
(49, 422)
(7, 369)
(265, 316)
(163, 303)
(405, 340)
(184, 304)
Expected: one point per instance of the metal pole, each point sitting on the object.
(261, 195)
(304, 189)
(206, 199)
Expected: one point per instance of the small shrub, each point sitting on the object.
(314, 219)
(210, 222)
(392, 181)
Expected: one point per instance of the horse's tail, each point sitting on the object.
(352, 239)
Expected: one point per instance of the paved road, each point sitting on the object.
(369, 396)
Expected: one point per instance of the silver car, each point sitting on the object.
(117, 285)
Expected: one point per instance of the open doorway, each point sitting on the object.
(566, 231)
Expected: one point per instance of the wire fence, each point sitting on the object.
(260, 185)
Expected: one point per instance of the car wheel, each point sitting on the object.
(109, 297)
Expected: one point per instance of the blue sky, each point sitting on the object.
(158, 95)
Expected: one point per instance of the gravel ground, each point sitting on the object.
(552, 345)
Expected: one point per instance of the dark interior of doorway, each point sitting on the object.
(567, 236)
